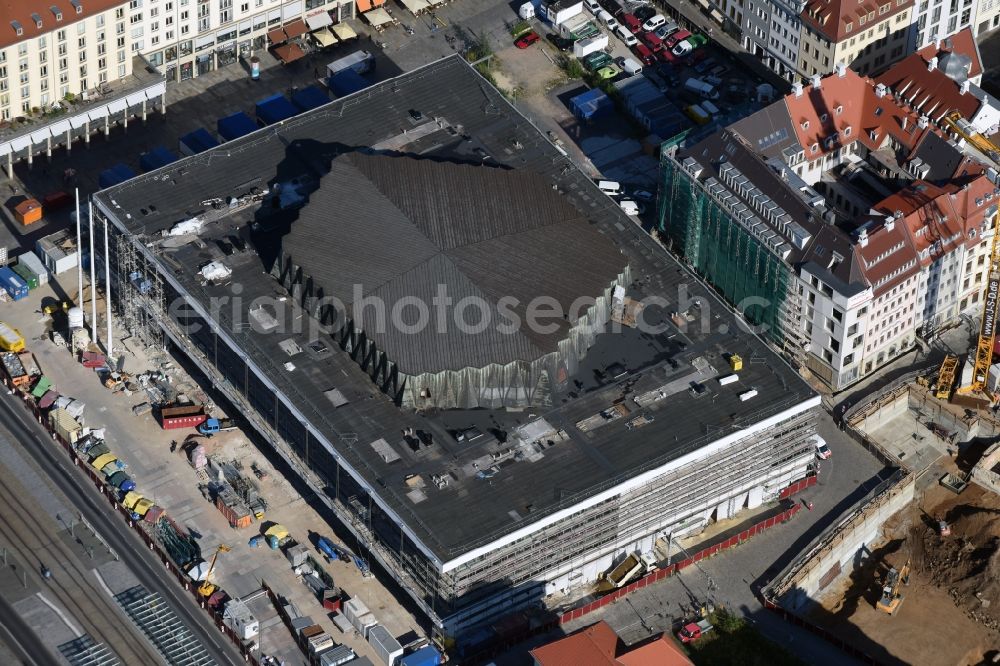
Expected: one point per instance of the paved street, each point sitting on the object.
(16, 424)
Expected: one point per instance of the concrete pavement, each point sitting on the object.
(18, 424)
(21, 640)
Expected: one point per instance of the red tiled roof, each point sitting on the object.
(22, 11)
(961, 42)
(596, 645)
(844, 109)
(831, 17)
(661, 652)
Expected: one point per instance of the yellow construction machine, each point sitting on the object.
(892, 595)
(207, 587)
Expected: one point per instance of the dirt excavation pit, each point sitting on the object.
(951, 606)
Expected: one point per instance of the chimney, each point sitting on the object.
(797, 88)
(880, 90)
(932, 64)
(862, 237)
(841, 70)
(922, 123)
(817, 81)
(964, 88)
(902, 123)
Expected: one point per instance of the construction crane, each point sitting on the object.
(892, 597)
(206, 588)
(979, 385)
(946, 377)
(964, 129)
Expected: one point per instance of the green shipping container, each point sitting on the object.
(41, 387)
(26, 275)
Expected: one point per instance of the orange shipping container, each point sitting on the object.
(28, 211)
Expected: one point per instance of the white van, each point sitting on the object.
(593, 6)
(631, 66)
(608, 20)
(654, 22)
(610, 187)
(627, 37)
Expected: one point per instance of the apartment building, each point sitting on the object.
(987, 16)
(187, 38)
(52, 51)
(866, 36)
(851, 213)
(937, 18)
(769, 29)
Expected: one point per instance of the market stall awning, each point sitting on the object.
(378, 17)
(364, 5)
(415, 6)
(324, 37)
(344, 32)
(295, 28)
(287, 53)
(317, 21)
(277, 36)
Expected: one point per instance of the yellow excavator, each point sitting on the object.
(207, 587)
(892, 596)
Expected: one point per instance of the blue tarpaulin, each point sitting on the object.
(197, 141)
(235, 126)
(119, 173)
(347, 81)
(310, 97)
(425, 656)
(274, 109)
(591, 105)
(156, 158)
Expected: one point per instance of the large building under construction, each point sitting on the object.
(599, 432)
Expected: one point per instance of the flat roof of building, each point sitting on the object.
(641, 398)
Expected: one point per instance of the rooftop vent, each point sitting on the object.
(56, 12)
(797, 89)
(817, 81)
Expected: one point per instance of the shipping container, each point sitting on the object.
(341, 654)
(28, 211)
(14, 369)
(64, 425)
(188, 416)
(425, 656)
(341, 622)
(365, 623)
(25, 274)
(15, 287)
(353, 609)
(31, 261)
(234, 511)
(386, 646)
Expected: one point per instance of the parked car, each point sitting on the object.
(526, 40)
(654, 22)
(608, 72)
(671, 41)
(559, 41)
(643, 195)
(690, 44)
(631, 23)
(704, 65)
(823, 451)
(593, 6)
(645, 12)
(644, 54)
(652, 41)
(627, 37)
(665, 31)
(630, 207)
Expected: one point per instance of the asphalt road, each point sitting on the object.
(144, 565)
(22, 640)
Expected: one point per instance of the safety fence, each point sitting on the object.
(214, 612)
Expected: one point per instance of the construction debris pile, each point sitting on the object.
(966, 561)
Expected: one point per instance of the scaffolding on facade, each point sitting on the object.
(138, 292)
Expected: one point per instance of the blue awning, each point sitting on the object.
(198, 141)
(274, 109)
(156, 158)
(119, 173)
(310, 97)
(235, 126)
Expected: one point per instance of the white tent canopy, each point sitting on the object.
(378, 17)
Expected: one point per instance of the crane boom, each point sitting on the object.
(988, 327)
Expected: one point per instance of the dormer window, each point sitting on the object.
(77, 5)
(37, 19)
(814, 148)
(871, 16)
(849, 27)
(18, 30)
(839, 110)
(56, 12)
(823, 118)
(805, 124)
(862, 19)
(847, 131)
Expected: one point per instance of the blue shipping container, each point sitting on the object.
(15, 287)
(425, 656)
